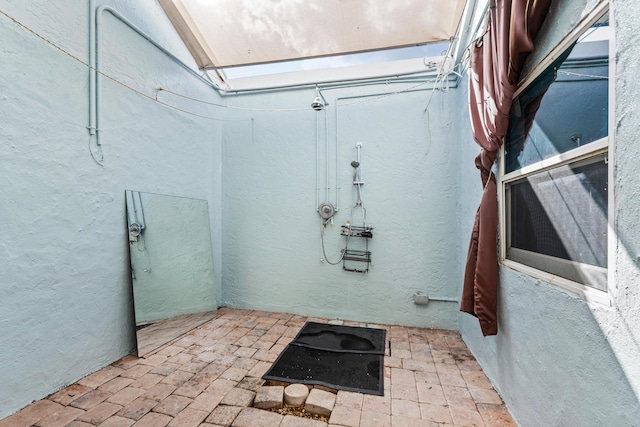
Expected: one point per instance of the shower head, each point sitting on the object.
(355, 164)
(319, 102)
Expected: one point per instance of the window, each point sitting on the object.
(555, 166)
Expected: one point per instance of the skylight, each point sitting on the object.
(245, 39)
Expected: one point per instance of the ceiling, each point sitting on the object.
(230, 33)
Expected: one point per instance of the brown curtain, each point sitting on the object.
(496, 63)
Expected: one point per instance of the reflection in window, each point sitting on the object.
(569, 101)
(557, 210)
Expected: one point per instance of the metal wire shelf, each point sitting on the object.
(357, 257)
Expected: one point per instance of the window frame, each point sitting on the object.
(604, 145)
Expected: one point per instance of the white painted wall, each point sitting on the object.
(558, 360)
(271, 246)
(65, 297)
(65, 289)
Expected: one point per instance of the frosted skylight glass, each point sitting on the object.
(231, 33)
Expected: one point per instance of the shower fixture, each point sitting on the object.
(134, 231)
(319, 102)
(355, 256)
(135, 216)
(577, 138)
(357, 260)
(326, 210)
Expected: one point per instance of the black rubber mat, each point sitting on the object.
(340, 357)
(340, 338)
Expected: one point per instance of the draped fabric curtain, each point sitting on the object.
(496, 63)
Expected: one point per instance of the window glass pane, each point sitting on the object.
(566, 107)
(562, 212)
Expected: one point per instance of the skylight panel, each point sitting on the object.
(232, 33)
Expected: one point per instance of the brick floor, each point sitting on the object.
(204, 379)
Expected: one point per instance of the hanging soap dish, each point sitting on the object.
(355, 231)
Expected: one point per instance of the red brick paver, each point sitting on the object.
(203, 379)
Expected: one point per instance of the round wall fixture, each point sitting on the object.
(135, 229)
(326, 210)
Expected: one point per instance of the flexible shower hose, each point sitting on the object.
(323, 250)
(358, 202)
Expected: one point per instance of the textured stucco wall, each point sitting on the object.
(65, 288)
(557, 359)
(271, 246)
(468, 181)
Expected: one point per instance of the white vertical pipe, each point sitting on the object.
(337, 164)
(337, 167)
(326, 144)
(317, 165)
(92, 69)
(358, 159)
(96, 60)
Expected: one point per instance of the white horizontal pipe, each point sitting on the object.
(443, 299)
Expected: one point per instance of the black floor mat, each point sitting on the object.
(341, 357)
